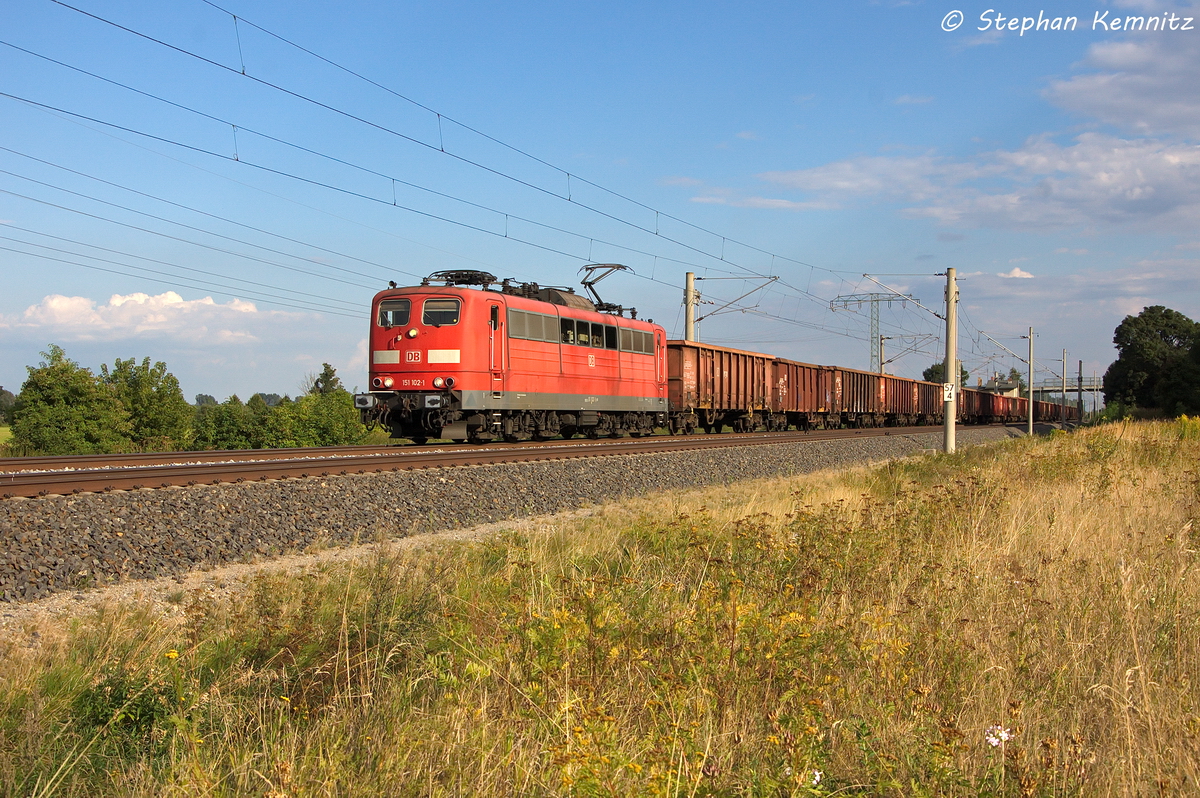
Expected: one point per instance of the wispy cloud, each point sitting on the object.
(1016, 273)
(1143, 85)
(1095, 180)
(773, 203)
(748, 135)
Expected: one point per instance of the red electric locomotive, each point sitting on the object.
(467, 361)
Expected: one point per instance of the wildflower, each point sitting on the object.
(172, 654)
(996, 735)
(285, 698)
(816, 777)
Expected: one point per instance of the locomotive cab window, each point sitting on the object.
(568, 331)
(598, 336)
(393, 312)
(440, 312)
(610, 337)
(583, 333)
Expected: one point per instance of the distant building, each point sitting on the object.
(999, 384)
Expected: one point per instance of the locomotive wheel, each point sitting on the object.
(568, 432)
(420, 441)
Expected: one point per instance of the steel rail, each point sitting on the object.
(95, 473)
(86, 461)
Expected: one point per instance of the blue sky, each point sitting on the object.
(236, 225)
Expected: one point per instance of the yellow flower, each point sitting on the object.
(172, 654)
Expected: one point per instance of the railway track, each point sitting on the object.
(42, 476)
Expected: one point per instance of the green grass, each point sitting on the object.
(875, 626)
(5, 434)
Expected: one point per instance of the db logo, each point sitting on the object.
(412, 357)
(591, 361)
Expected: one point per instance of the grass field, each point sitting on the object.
(5, 434)
(1017, 620)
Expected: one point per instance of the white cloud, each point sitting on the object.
(1146, 84)
(908, 99)
(748, 135)
(1017, 272)
(992, 36)
(1096, 180)
(76, 318)
(213, 347)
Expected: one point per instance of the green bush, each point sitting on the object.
(161, 417)
(64, 408)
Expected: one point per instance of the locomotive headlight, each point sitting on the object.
(412, 333)
(388, 382)
(375, 383)
(438, 382)
(449, 382)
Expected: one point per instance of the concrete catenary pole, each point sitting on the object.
(1079, 392)
(1029, 431)
(1063, 407)
(881, 340)
(951, 390)
(689, 307)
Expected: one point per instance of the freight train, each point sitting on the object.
(467, 361)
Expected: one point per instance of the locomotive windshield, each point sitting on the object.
(439, 312)
(393, 312)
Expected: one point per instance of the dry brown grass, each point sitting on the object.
(876, 627)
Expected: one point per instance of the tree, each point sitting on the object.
(937, 372)
(64, 408)
(161, 417)
(7, 400)
(205, 399)
(228, 425)
(327, 381)
(1156, 361)
(1015, 375)
(330, 419)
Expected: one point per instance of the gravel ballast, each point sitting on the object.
(58, 543)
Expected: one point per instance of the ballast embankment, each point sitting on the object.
(59, 543)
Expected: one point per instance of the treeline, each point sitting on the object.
(1158, 363)
(65, 408)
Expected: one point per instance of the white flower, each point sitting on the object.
(816, 777)
(995, 735)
